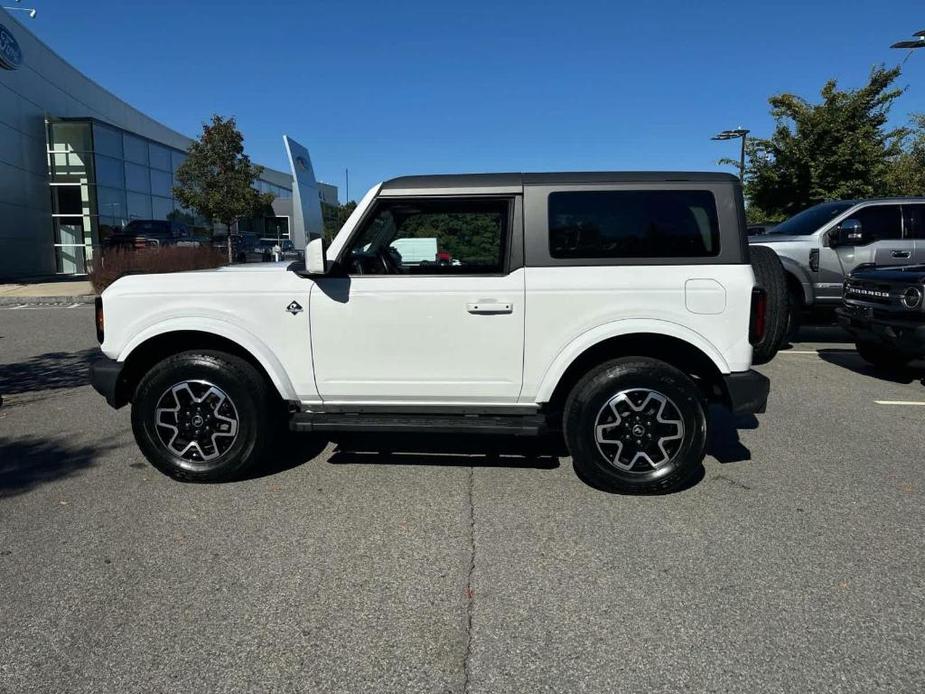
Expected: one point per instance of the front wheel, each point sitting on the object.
(636, 425)
(202, 416)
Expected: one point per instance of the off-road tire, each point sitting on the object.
(251, 399)
(769, 275)
(591, 399)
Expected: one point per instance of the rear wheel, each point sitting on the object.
(636, 425)
(769, 275)
(203, 416)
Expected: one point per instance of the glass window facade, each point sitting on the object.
(102, 178)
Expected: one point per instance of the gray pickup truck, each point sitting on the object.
(820, 246)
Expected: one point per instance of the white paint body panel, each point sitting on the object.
(570, 309)
(434, 340)
(246, 304)
(404, 338)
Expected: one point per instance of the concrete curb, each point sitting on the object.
(46, 300)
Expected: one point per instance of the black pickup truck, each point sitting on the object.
(884, 311)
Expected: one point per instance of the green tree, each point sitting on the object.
(837, 149)
(907, 175)
(335, 216)
(217, 178)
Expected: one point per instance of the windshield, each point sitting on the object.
(808, 221)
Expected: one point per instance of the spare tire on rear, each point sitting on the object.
(769, 275)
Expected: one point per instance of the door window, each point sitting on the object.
(880, 222)
(914, 221)
(431, 236)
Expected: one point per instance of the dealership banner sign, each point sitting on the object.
(307, 221)
(10, 52)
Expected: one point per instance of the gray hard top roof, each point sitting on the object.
(505, 180)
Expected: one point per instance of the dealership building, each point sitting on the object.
(76, 163)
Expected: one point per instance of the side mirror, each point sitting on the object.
(315, 261)
(848, 233)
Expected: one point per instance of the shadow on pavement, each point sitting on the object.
(51, 371)
(293, 451)
(723, 443)
(458, 451)
(823, 333)
(27, 462)
(851, 360)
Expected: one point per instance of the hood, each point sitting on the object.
(247, 278)
(768, 239)
(252, 267)
(898, 273)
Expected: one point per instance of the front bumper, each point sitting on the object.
(105, 375)
(904, 335)
(748, 392)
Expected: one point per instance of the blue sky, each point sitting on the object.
(397, 87)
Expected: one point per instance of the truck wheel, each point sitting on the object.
(882, 357)
(202, 416)
(636, 425)
(769, 275)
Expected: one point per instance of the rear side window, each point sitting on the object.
(633, 224)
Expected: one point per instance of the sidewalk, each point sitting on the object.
(58, 292)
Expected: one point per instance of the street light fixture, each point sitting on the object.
(912, 44)
(31, 10)
(732, 135)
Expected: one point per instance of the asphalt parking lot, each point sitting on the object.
(797, 562)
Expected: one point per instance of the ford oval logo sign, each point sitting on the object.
(10, 52)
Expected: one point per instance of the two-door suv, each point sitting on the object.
(613, 307)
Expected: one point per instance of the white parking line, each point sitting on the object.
(799, 351)
(913, 403)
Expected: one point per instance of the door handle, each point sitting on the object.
(901, 254)
(490, 307)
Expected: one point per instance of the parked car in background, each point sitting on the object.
(820, 246)
(243, 246)
(760, 228)
(884, 310)
(286, 250)
(148, 233)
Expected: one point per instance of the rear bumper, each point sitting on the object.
(906, 336)
(748, 392)
(105, 374)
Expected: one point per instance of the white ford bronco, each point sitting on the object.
(610, 307)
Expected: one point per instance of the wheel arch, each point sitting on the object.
(706, 369)
(154, 345)
(798, 280)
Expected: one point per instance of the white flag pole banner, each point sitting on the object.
(307, 222)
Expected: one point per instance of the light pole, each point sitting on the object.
(917, 42)
(31, 10)
(731, 135)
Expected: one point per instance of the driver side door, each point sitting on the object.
(426, 306)
(884, 244)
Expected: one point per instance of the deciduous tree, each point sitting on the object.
(217, 178)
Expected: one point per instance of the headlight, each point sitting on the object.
(912, 298)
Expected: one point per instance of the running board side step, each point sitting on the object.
(518, 425)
